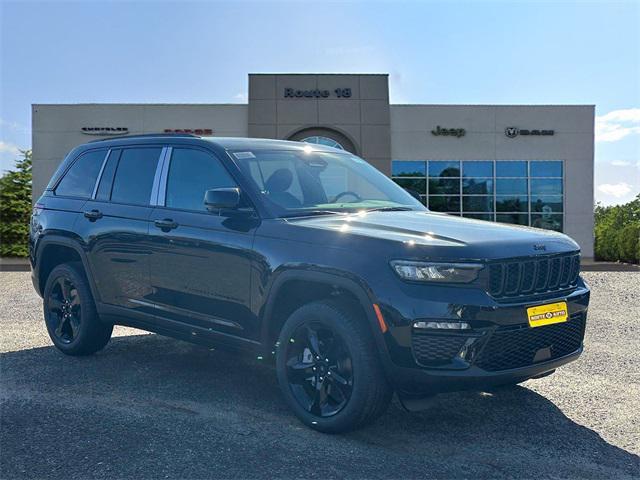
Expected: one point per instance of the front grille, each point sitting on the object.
(509, 348)
(435, 348)
(533, 276)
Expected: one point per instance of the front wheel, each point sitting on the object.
(328, 368)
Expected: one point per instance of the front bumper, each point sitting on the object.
(499, 348)
(420, 382)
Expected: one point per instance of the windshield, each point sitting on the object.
(296, 183)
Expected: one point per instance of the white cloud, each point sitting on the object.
(621, 163)
(241, 97)
(9, 148)
(617, 190)
(616, 125)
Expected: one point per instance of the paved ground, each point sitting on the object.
(150, 407)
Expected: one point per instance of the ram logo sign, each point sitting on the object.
(513, 132)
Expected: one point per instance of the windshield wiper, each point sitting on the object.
(390, 209)
(312, 213)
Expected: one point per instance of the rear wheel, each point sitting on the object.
(328, 368)
(70, 312)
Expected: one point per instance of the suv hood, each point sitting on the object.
(451, 236)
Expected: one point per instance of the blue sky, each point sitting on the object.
(448, 52)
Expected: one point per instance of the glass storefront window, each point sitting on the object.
(401, 168)
(546, 204)
(511, 191)
(546, 186)
(444, 169)
(444, 186)
(547, 221)
(512, 203)
(417, 185)
(509, 168)
(546, 168)
(444, 203)
(508, 186)
(477, 203)
(477, 186)
(477, 168)
(515, 218)
(488, 217)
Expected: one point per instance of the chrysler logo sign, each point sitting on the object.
(105, 130)
(513, 132)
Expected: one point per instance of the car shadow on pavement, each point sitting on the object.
(148, 406)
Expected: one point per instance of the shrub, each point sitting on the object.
(617, 232)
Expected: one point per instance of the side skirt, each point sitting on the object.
(181, 331)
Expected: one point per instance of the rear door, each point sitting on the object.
(116, 225)
(200, 268)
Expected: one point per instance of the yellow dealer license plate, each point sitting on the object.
(547, 314)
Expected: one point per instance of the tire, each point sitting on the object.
(70, 312)
(349, 378)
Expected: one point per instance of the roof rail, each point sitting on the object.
(146, 135)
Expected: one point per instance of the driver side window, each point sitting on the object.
(191, 173)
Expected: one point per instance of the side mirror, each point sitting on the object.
(222, 198)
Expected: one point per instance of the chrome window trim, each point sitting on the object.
(104, 164)
(153, 201)
(164, 173)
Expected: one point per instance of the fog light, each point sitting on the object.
(442, 325)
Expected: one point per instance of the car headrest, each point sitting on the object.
(279, 181)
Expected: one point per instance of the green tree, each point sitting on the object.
(15, 208)
(617, 232)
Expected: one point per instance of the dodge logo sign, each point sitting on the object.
(513, 132)
(194, 131)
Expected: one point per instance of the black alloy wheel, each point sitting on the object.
(319, 369)
(70, 312)
(64, 310)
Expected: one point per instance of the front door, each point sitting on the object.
(201, 263)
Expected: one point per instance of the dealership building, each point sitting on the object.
(522, 164)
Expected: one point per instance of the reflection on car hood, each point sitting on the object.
(436, 229)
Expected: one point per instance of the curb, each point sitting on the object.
(10, 264)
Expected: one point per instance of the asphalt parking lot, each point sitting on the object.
(151, 407)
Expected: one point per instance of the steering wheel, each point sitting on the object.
(345, 193)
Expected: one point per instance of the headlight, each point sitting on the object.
(436, 272)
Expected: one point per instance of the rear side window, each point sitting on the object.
(134, 175)
(191, 173)
(80, 179)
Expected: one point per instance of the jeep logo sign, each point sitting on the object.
(513, 132)
(452, 132)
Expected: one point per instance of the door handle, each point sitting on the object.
(93, 215)
(165, 224)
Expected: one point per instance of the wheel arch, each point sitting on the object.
(312, 285)
(55, 250)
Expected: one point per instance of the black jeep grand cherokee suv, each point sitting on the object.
(306, 254)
